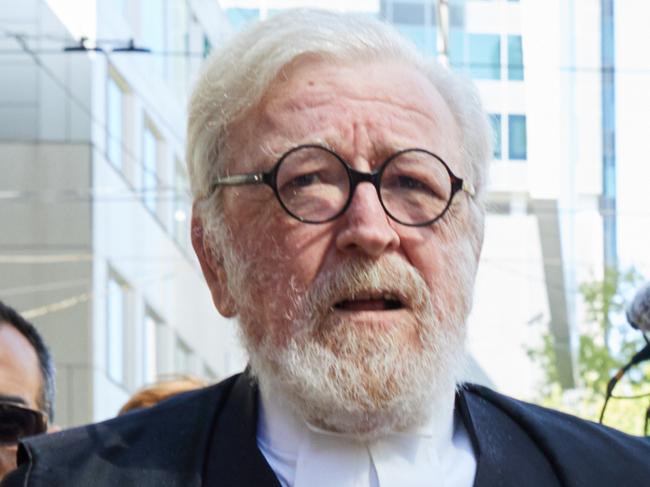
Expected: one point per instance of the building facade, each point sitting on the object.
(95, 200)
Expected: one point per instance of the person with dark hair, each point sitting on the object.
(26, 384)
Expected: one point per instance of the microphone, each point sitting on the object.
(641, 356)
(638, 312)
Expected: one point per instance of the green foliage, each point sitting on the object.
(624, 414)
(606, 343)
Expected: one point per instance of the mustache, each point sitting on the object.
(389, 275)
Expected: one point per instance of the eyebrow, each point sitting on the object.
(14, 399)
(286, 145)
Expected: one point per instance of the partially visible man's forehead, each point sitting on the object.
(312, 82)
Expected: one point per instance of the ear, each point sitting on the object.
(212, 267)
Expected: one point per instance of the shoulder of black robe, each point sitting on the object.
(204, 433)
(580, 452)
(162, 446)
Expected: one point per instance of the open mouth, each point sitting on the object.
(385, 302)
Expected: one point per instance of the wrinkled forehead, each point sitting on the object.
(328, 89)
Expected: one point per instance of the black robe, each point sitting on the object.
(208, 438)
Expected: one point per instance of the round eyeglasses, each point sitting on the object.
(315, 185)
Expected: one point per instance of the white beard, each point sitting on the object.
(357, 379)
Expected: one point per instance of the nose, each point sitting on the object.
(365, 226)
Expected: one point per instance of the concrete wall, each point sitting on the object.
(45, 263)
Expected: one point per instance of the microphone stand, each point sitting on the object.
(641, 356)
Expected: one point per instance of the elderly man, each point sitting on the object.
(339, 181)
(26, 385)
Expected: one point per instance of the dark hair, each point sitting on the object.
(13, 318)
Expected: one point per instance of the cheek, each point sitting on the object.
(308, 248)
(7, 459)
(444, 260)
(427, 250)
(285, 257)
(294, 251)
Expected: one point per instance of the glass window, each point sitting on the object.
(457, 51)
(383, 10)
(179, 45)
(121, 6)
(115, 325)
(408, 13)
(484, 56)
(495, 119)
(457, 15)
(162, 351)
(149, 355)
(517, 137)
(238, 17)
(114, 123)
(423, 37)
(182, 206)
(153, 17)
(515, 59)
(149, 169)
(207, 46)
(182, 358)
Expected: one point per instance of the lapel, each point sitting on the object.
(505, 454)
(233, 458)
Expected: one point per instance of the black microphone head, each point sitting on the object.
(638, 312)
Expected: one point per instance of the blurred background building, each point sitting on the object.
(94, 202)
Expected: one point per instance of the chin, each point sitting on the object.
(344, 364)
(363, 381)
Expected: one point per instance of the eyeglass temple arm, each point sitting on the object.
(238, 180)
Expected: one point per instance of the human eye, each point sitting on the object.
(418, 176)
(302, 181)
(404, 181)
(309, 170)
(412, 183)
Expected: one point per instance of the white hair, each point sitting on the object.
(236, 77)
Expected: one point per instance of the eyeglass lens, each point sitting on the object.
(18, 422)
(313, 184)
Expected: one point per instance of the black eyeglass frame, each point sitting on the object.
(355, 177)
(38, 418)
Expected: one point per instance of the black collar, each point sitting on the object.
(233, 458)
(506, 455)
